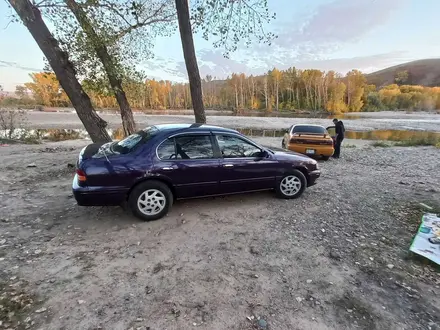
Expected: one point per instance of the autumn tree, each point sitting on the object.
(189, 54)
(355, 90)
(276, 76)
(113, 35)
(335, 103)
(229, 22)
(297, 90)
(108, 62)
(401, 77)
(47, 90)
(20, 91)
(31, 17)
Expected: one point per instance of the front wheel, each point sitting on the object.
(150, 200)
(292, 185)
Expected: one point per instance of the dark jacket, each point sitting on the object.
(340, 129)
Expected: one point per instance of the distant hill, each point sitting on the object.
(421, 72)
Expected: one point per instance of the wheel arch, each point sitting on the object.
(304, 171)
(159, 179)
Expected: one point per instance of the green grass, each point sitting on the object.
(350, 146)
(381, 144)
(421, 141)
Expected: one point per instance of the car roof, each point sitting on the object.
(169, 128)
(309, 125)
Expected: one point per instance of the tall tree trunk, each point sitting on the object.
(265, 93)
(241, 92)
(236, 96)
(189, 54)
(101, 50)
(63, 68)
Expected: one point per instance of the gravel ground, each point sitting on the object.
(337, 258)
(399, 121)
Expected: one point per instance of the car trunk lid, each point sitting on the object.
(310, 138)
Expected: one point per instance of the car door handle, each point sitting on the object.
(168, 168)
(228, 165)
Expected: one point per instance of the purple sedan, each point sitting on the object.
(159, 164)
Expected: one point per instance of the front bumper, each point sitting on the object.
(313, 176)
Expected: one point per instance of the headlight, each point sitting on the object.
(314, 164)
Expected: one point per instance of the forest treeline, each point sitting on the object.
(278, 90)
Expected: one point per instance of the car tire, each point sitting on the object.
(291, 185)
(325, 157)
(283, 144)
(150, 200)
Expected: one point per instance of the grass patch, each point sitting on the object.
(437, 145)
(419, 141)
(350, 146)
(381, 144)
(15, 304)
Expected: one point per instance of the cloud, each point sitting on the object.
(225, 67)
(339, 21)
(305, 41)
(7, 64)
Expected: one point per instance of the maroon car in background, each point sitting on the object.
(155, 166)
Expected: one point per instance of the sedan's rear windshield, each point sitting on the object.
(308, 129)
(132, 141)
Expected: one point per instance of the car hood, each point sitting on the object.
(291, 156)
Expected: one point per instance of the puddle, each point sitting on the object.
(56, 134)
(117, 134)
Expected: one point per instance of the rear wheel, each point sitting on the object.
(292, 185)
(283, 144)
(150, 200)
(325, 157)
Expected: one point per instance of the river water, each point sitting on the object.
(388, 126)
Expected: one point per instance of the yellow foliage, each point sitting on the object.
(282, 90)
(47, 90)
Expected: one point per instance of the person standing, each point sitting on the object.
(340, 130)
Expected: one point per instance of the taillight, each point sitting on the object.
(295, 141)
(81, 175)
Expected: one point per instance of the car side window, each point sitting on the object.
(331, 130)
(166, 150)
(234, 147)
(194, 147)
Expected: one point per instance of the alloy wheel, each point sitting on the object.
(151, 202)
(290, 185)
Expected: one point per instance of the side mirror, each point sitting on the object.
(262, 154)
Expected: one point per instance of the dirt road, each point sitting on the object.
(428, 122)
(334, 259)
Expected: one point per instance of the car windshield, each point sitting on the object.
(309, 129)
(132, 141)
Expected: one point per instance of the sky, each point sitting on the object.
(339, 35)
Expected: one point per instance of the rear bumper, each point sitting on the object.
(97, 196)
(313, 176)
(325, 151)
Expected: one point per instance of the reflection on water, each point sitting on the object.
(118, 134)
(56, 134)
(392, 135)
(319, 115)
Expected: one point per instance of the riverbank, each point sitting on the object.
(428, 122)
(337, 258)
